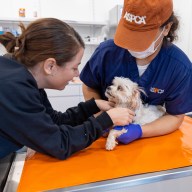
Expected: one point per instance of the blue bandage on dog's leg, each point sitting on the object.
(134, 132)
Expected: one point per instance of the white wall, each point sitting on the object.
(5, 9)
(94, 10)
(98, 10)
(183, 9)
(80, 10)
(102, 8)
(67, 9)
(10, 8)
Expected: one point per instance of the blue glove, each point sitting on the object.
(134, 132)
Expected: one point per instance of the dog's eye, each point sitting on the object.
(119, 88)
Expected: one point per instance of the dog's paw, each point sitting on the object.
(110, 145)
(111, 141)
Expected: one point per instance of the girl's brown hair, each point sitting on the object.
(42, 39)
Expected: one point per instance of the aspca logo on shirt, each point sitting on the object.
(135, 18)
(156, 90)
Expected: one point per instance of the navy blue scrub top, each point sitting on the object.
(167, 80)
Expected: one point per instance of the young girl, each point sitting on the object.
(47, 55)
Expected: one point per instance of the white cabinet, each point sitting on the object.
(69, 97)
(11, 24)
(93, 33)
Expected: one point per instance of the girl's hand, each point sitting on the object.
(104, 105)
(121, 116)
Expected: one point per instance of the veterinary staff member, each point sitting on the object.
(47, 55)
(142, 50)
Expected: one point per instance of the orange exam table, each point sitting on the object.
(152, 164)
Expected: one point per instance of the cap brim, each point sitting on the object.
(133, 40)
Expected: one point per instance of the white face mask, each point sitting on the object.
(3, 50)
(149, 51)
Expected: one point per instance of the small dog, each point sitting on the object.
(125, 93)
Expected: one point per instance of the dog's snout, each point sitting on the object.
(108, 88)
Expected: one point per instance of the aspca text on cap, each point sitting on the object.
(135, 18)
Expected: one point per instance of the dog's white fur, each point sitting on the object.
(125, 93)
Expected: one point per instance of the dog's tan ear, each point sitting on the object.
(135, 98)
(136, 93)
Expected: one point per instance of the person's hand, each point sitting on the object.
(132, 133)
(121, 116)
(104, 105)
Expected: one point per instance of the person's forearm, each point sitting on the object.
(162, 126)
(89, 93)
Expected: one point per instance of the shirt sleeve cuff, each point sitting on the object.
(104, 120)
(92, 106)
